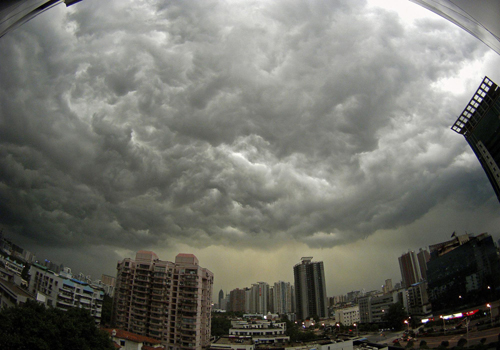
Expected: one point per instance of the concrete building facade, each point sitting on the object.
(63, 291)
(167, 301)
(463, 273)
(347, 316)
(282, 298)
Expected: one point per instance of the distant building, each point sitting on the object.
(337, 300)
(310, 289)
(221, 297)
(353, 296)
(411, 270)
(283, 297)
(387, 287)
(259, 298)
(237, 299)
(372, 307)
(107, 283)
(463, 273)
(347, 316)
(167, 301)
(478, 18)
(480, 125)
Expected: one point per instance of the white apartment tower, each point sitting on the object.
(168, 301)
(259, 298)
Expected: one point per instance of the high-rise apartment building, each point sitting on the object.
(237, 298)
(221, 297)
(259, 298)
(480, 125)
(167, 301)
(412, 271)
(478, 18)
(282, 298)
(463, 273)
(310, 289)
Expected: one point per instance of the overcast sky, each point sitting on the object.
(250, 133)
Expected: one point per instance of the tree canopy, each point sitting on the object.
(31, 326)
(395, 316)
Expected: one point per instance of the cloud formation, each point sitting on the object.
(246, 124)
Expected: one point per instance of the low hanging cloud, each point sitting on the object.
(245, 124)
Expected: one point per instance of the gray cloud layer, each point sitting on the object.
(246, 124)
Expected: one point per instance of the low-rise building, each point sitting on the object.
(12, 294)
(372, 308)
(131, 341)
(348, 315)
(60, 291)
(233, 343)
(260, 331)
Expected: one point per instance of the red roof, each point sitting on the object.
(121, 334)
(145, 347)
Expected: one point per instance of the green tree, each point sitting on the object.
(31, 326)
(220, 325)
(292, 330)
(444, 344)
(423, 345)
(107, 306)
(394, 317)
(481, 345)
(306, 335)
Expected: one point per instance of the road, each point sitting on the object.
(491, 335)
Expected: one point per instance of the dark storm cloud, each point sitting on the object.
(242, 124)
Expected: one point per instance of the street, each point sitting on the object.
(491, 335)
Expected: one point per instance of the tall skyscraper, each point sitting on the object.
(480, 125)
(168, 301)
(411, 272)
(310, 289)
(478, 18)
(221, 297)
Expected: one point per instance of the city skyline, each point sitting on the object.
(247, 133)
